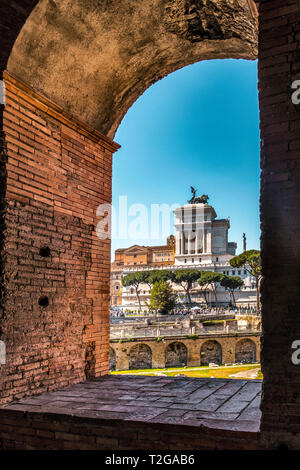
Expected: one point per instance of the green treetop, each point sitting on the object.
(186, 278)
(210, 279)
(251, 261)
(135, 280)
(231, 283)
(162, 297)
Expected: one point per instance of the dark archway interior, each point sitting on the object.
(176, 355)
(245, 351)
(211, 352)
(140, 357)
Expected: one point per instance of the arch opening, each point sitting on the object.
(210, 352)
(176, 355)
(245, 351)
(140, 357)
(65, 122)
(277, 181)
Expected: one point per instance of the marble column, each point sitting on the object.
(178, 243)
(208, 241)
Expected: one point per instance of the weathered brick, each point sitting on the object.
(33, 184)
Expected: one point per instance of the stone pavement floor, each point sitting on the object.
(231, 404)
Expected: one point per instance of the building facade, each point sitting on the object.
(201, 238)
(138, 257)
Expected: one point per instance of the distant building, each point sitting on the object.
(200, 242)
(201, 238)
(137, 255)
(116, 285)
(142, 258)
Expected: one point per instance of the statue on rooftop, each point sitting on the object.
(198, 200)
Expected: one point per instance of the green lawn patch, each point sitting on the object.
(221, 372)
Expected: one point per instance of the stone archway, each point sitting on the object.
(112, 359)
(245, 351)
(176, 355)
(140, 357)
(73, 70)
(210, 351)
(117, 49)
(278, 68)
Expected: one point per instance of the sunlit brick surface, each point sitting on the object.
(58, 171)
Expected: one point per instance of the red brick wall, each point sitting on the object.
(58, 172)
(279, 66)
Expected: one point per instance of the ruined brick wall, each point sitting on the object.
(55, 285)
(12, 17)
(279, 67)
(178, 351)
(176, 354)
(140, 357)
(211, 351)
(245, 351)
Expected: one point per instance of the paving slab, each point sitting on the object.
(213, 403)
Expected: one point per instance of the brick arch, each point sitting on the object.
(117, 49)
(176, 354)
(56, 160)
(112, 359)
(140, 357)
(278, 68)
(210, 351)
(245, 351)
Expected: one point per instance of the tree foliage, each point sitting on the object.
(162, 297)
(135, 280)
(159, 275)
(186, 278)
(231, 283)
(251, 261)
(210, 279)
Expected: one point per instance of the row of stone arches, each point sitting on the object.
(176, 354)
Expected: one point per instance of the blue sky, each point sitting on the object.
(199, 126)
